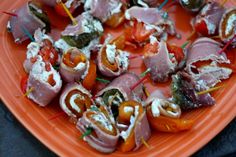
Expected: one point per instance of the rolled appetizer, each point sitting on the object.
(74, 65)
(164, 115)
(103, 135)
(112, 60)
(44, 83)
(28, 19)
(148, 21)
(208, 19)
(162, 59)
(132, 114)
(205, 62)
(227, 26)
(75, 100)
(192, 5)
(42, 48)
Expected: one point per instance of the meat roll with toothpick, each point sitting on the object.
(75, 100)
(44, 83)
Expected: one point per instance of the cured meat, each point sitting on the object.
(123, 85)
(106, 134)
(185, 92)
(104, 9)
(41, 48)
(204, 49)
(153, 18)
(116, 59)
(75, 100)
(74, 65)
(227, 28)
(18, 26)
(44, 83)
(160, 63)
(208, 20)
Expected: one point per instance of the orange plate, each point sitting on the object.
(63, 138)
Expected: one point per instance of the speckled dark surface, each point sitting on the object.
(15, 140)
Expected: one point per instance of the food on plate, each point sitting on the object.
(112, 60)
(34, 18)
(162, 59)
(103, 134)
(74, 65)
(133, 115)
(41, 49)
(75, 100)
(44, 83)
(227, 26)
(149, 21)
(84, 35)
(208, 19)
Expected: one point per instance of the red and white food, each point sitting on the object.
(75, 100)
(208, 19)
(104, 136)
(44, 82)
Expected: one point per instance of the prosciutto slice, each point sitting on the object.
(204, 49)
(104, 141)
(160, 63)
(152, 17)
(115, 56)
(211, 14)
(76, 73)
(104, 9)
(124, 83)
(71, 95)
(42, 91)
(30, 23)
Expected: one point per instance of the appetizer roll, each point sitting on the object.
(228, 26)
(75, 100)
(112, 61)
(204, 62)
(42, 48)
(153, 21)
(162, 59)
(86, 30)
(74, 65)
(132, 114)
(103, 134)
(208, 19)
(192, 5)
(104, 9)
(119, 90)
(44, 83)
(29, 18)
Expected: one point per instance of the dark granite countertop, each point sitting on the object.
(15, 140)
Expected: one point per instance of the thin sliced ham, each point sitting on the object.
(160, 64)
(71, 94)
(153, 18)
(73, 74)
(124, 83)
(30, 23)
(104, 141)
(103, 9)
(204, 49)
(116, 56)
(42, 92)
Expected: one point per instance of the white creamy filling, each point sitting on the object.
(210, 26)
(128, 109)
(231, 23)
(40, 35)
(62, 45)
(117, 8)
(140, 2)
(155, 108)
(125, 134)
(33, 49)
(111, 53)
(80, 66)
(123, 59)
(87, 4)
(73, 104)
(86, 71)
(153, 39)
(101, 118)
(68, 3)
